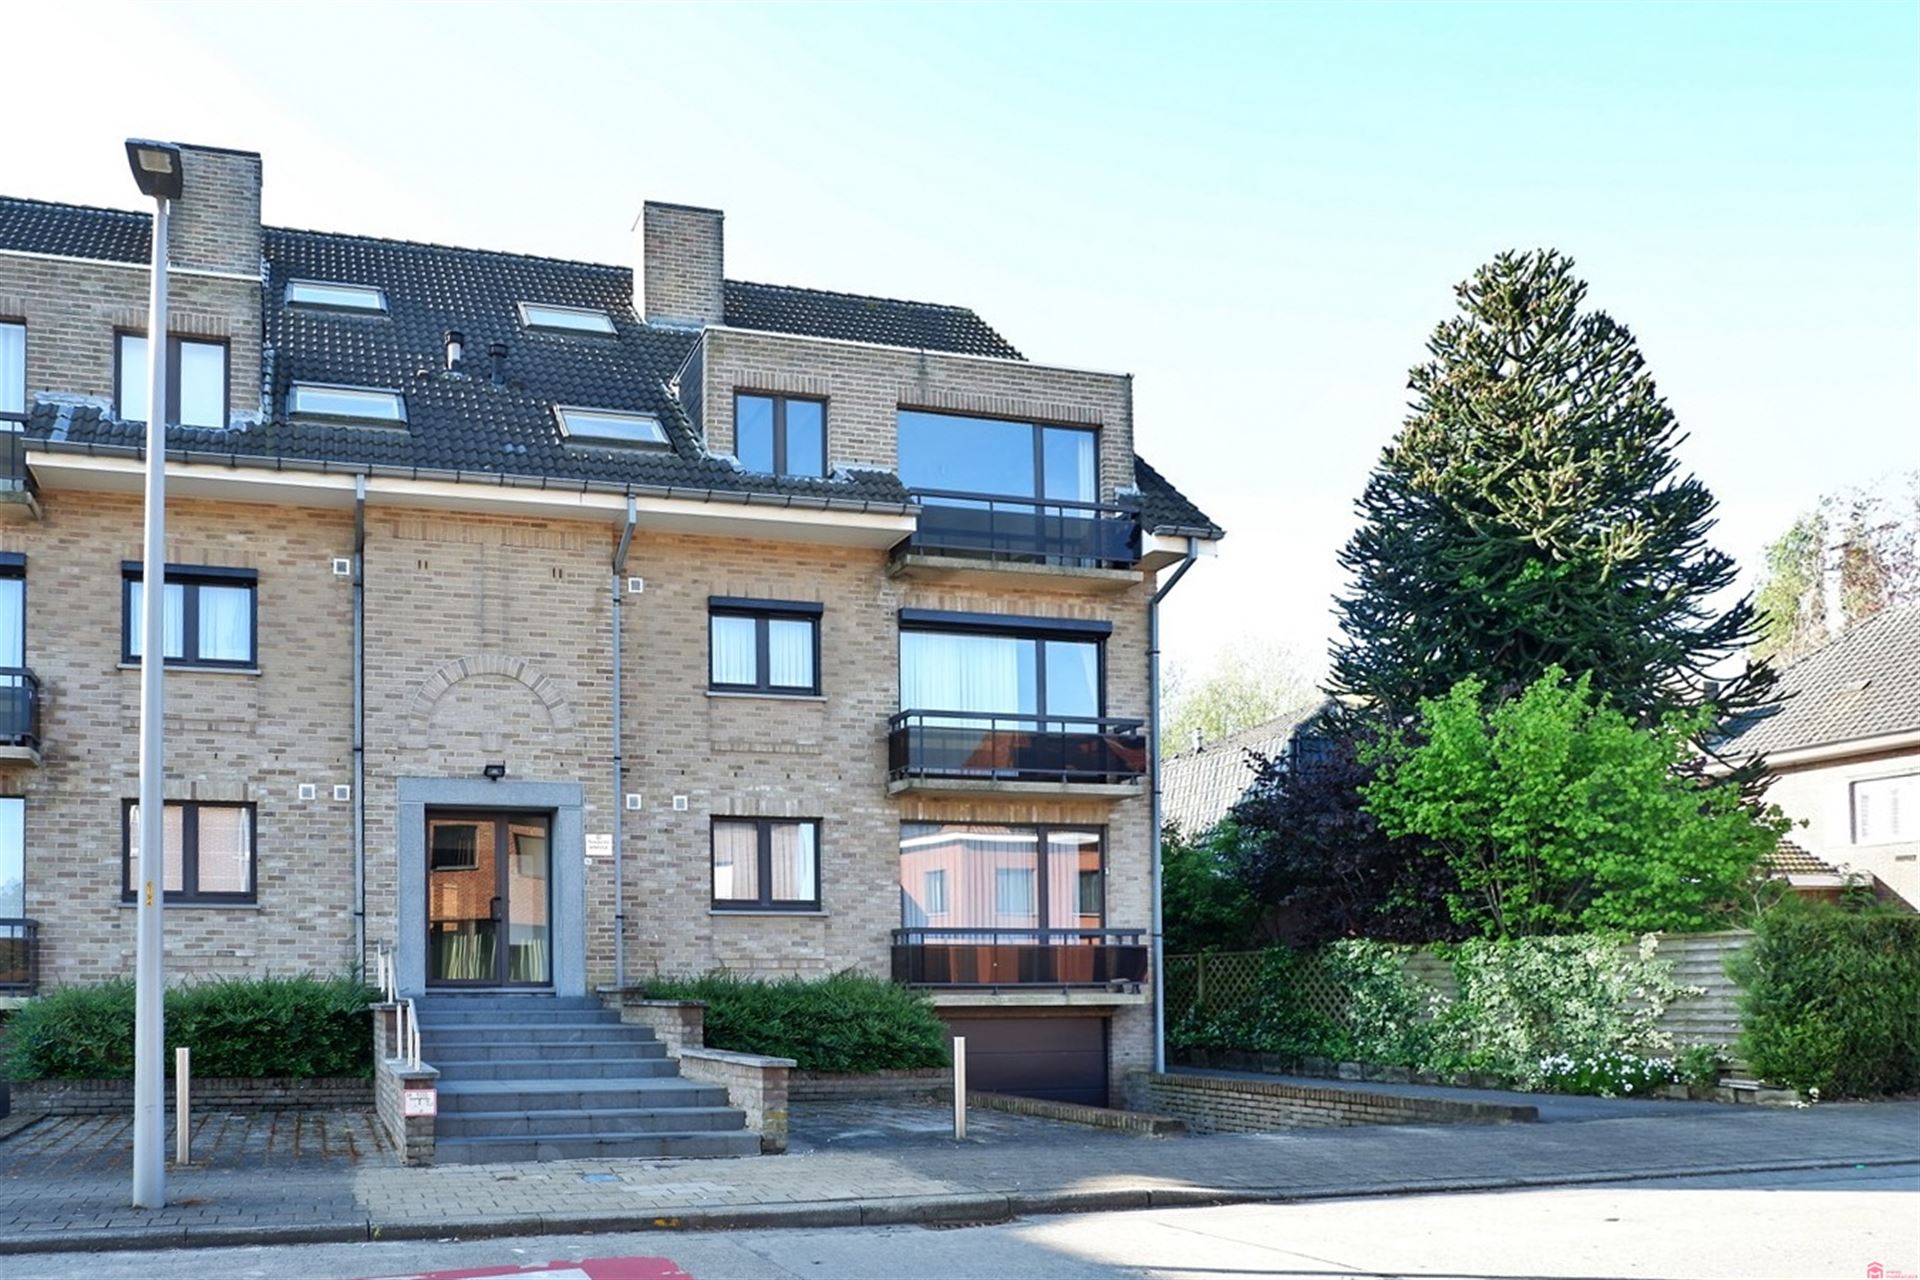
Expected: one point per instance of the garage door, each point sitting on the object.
(1062, 1059)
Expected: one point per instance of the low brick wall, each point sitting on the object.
(1141, 1122)
(412, 1136)
(106, 1097)
(755, 1083)
(678, 1024)
(1224, 1104)
(815, 1086)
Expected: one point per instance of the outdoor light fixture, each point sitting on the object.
(156, 167)
(494, 772)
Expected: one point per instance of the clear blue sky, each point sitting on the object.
(1259, 212)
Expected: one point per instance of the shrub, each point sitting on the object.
(848, 1022)
(236, 1027)
(1609, 1075)
(1830, 999)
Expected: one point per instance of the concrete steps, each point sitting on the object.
(527, 1077)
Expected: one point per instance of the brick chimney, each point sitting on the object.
(676, 281)
(216, 221)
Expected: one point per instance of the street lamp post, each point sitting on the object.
(156, 168)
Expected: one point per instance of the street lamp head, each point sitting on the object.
(156, 167)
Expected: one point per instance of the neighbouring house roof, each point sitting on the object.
(1790, 859)
(1864, 683)
(466, 424)
(1200, 786)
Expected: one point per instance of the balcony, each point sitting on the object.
(20, 701)
(19, 956)
(960, 752)
(966, 538)
(1022, 958)
(19, 497)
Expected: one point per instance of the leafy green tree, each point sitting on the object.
(1251, 682)
(1531, 513)
(1793, 599)
(1868, 539)
(1206, 908)
(1557, 813)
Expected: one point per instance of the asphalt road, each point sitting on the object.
(1790, 1226)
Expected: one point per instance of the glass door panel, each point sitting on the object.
(463, 901)
(529, 937)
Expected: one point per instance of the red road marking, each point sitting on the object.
(629, 1268)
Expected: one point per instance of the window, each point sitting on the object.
(13, 865)
(209, 852)
(13, 369)
(763, 646)
(196, 381)
(323, 400)
(766, 864)
(981, 674)
(543, 315)
(335, 296)
(456, 847)
(780, 435)
(608, 426)
(989, 876)
(990, 456)
(1886, 810)
(208, 615)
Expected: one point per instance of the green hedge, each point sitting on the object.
(1831, 999)
(848, 1022)
(237, 1028)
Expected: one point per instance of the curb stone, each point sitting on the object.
(895, 1211)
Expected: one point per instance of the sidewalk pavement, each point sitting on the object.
(47, 1205)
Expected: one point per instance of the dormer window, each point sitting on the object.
(335, 296)
(608, 426)
(368, 404)
(545, 315)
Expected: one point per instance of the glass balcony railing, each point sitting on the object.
(1015, 748)
(1050, 531)
(19, 708)
(1019, 957)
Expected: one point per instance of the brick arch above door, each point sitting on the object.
(429, 695)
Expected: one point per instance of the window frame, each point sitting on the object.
(780, 400)
(344, 308)
(1911, 779)
(13, 564)
(191, 578)
(189, 891)
(1040, 631)
(568, 435)
(18, 322)
(1042, 888)
(174, 341)
(1039, 427)
(524, 309)
(764, 612)
(763, 853)
(397, 421)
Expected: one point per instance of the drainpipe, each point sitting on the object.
(1153, 758)
(619, 761)
(360, 721)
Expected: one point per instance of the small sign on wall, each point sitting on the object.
(420, 1102)
(599, 844)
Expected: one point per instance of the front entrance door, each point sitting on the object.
(489, 899)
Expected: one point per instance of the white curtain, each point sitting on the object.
(13, 621)
(796, 866)
(947, 671)
(736, 862)
(733, 650)
(173, 606)
(174, 818)
(13, 368)
(133, 378)
(203, 384)
(226, 849)
(226, 624)
(790, 653)
(13, 857)
(986, 875)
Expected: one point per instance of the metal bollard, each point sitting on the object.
(959, 1088)
(182, 1141)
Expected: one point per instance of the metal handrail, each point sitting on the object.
(992, 500)
(913, 934)
(993, 719)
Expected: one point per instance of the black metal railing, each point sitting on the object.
(19, 955)
(1037, 531)
(19, 708)
(1019, 957)
(14, 476)
(1015, 748)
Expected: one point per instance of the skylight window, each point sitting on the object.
(608, 426)
(323, 400)
(339, 297)
(543, 315)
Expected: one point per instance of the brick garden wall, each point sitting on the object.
(109, 1097)
(1221, 1104)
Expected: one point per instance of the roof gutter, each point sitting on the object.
(1826, 751)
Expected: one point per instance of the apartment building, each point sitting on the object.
(553, 623)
